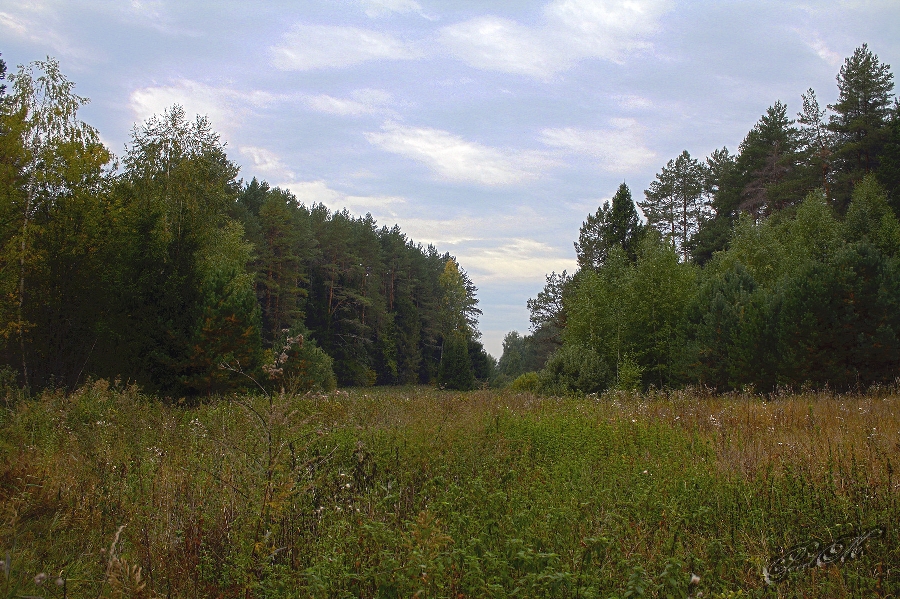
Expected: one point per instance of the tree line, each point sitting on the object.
(777, 265)
(163, 268)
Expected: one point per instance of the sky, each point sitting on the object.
(489, 128)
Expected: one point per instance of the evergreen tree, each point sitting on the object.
(483, 364)
(889, 165)
(616, 224)
(674, 204)
(840, 319)
(456, 366)
(767, 162)
(591, 247)
(860, 119)
(625, 226)
(2, 77)
(723, 196)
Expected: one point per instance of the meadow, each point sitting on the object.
(417, 492)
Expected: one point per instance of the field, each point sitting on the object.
(403, 492)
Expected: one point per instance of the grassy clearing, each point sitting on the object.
(403, 492)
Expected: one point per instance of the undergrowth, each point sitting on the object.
(411, 491)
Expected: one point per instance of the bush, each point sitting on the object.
(575, 369)
(530, 381)
(300, 366)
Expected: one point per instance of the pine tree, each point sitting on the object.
(723, 198)
(860, 118)
(591, 248)
(767, 163)
(616, 224)
(674, 205)
(456, 367)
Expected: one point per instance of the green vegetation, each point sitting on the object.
(164, 267)
(776, 267)
(397, 492)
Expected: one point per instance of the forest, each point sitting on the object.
(706, 408)
(164, 269)
(777, 266)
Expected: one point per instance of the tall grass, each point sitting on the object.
(415, 492)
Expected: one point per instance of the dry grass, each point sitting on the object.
(359, 492)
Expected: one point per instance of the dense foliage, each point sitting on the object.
(775, 266)
(167, 270)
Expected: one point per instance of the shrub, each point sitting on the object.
(530, 381)
(573, 369)
(300, 366)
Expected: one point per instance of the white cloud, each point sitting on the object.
(364, 101)
(516, 259)
(380, 8)
(318, 192)
(572, 30)
(455, 159)
(822, 50)
(308, 47)
(498, 247)
(266, 161)
(482, 247)
(634, 102)
(224, 106)
(492, 43)
(620, 148)
(150, 9)
(40, 29)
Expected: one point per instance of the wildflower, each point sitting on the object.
(60, 582)
(40, 578)
(695, 579)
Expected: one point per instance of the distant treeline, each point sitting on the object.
(775, 266)
(166, 270)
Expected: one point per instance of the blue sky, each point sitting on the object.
(489, 128)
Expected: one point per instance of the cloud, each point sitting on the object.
(455, 159)
(572, 30)
(620, 148)
(224, 106)
(517, 259)
(380, 8)
(496, 44)
(364, 101)
(309, 47)
(500, 247)
(266, 161)
(39, 29)
(821, 49)
(485, 252)
(318, 192)
(634, 102)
